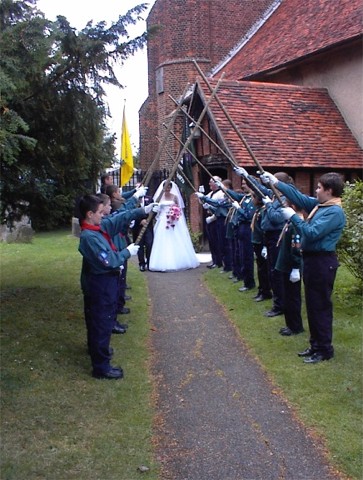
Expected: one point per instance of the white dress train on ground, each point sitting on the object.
(172, 248)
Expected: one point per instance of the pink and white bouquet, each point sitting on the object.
(173, 216)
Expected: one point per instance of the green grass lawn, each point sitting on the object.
(328, 396)
(59, 423)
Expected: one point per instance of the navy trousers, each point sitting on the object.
(319, 277)
(245, 249)
(224, 244)
(145, 244)
(262, 272)
(292, 309)
(122, 287)
(236, 261)
(100, 303)
(275, 277)
(214, 243)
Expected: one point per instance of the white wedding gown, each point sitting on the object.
(172, 248)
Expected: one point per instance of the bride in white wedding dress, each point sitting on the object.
(172, 248)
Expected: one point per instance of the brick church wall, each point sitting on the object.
(204, 30)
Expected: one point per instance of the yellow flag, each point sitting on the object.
(127, 161)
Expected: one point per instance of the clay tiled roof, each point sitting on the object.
(296, 29)
(284, 125)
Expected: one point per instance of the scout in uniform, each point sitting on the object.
(320, 233)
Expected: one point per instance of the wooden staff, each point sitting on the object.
(251, 184)
(179, 169)
(150, 170)
(232, 210)
(235, 128)
(180, 154)
(229, 155)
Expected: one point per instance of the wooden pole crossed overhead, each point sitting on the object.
(179, 156)
(162, 145)
(180, 170)
(236, 129)
(229, 155)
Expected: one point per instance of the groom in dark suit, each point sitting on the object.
(147, 239)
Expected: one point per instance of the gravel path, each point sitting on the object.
(218, 417)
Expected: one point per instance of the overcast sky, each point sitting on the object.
(133, 74)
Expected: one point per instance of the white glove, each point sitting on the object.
(151, 207)
(199, 195)
(287, 212)
(219, 184)
(236, 205)
(264, 252)
(211, 219)
(206, 206)
(295, 275)
(267, 177)
(132, 224)
(266, 200)
(140, 192)
(241, 171)
(133, 249)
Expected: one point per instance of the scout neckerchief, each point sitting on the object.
(232, 211)
(286, 227)
(97, 228)
(334, 201)
(255, 217)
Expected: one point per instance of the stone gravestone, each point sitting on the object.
(76, 229)
(20, 232)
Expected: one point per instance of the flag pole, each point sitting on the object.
(122, 126)
(127, 160)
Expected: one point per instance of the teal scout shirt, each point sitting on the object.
(322, 232)
(289, 256)
(98, 256)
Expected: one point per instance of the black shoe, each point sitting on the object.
(244, 289)
(317, 357)
(127, 297)
(213, 265)
(142, 268)
(123, 311)
(113, 374)
(286, 332)
(308, 352)
(273, 313)
(121, 325)
(118, 329)
(261, 298)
